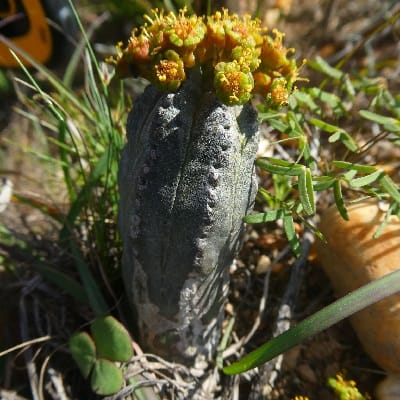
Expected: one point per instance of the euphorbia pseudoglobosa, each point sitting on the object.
(187, 173)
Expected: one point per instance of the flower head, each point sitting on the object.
(278, 95)
(242, 31)
(232, 85)
(183, 31)
(273, 54)
(169, 71)
(244, 59)
(247, 57)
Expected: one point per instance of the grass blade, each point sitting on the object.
(330, 315)
(83, 197)
(62, 130)
(53, 80)
(64, 282)
(94, 295)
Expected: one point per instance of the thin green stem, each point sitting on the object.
(209, 6)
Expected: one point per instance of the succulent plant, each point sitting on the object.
(187, 174)
(186, 179)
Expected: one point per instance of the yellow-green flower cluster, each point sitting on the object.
(346, 389)
(244, 59)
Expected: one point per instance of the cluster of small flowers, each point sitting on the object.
(243, 57)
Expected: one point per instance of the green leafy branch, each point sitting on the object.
(307, 186)
(318, 111)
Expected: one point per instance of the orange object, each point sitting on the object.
(351, 257)
(24, 23)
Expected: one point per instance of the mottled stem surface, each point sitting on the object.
(186, 180)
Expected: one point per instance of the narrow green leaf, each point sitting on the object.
(323, 183)
(349, 142)
(64, 282)
(94, 295)
(348, 84)
(389, 123)
(224, 342)
(85, 37)
(297, 130)
(276, 161)
(310, 192)
(275, 169)
(333, 101)
(366, 180)
(334, 137)
(83, 197)
(330, 315)
(337, 134)
(390, 187)
(52, 78)
(324, 125)
(350, 175)
(266, 195)
(306, 99)
(385, 221)
(278, 125)
(306, 191)
(320, 65)
(279, 167)
(290, 231)
(62, 131)
(259, 218)
(268, 115)
(346, 139)
(337, 193)
(365, 169)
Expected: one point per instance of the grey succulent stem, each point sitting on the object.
(186, 180)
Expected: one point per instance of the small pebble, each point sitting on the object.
(253, 235)
(352, 257)
(263, 264)
(5, 193)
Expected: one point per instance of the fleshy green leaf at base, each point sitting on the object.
(106, 378)
(83, 351)
(112, 339)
